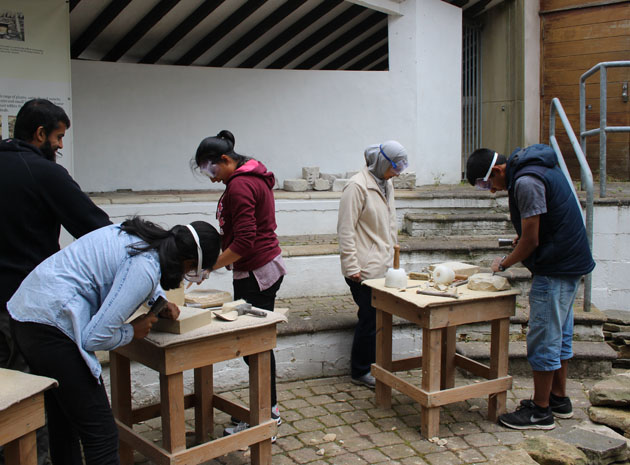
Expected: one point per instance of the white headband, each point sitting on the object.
(494, 159)
(199, 252)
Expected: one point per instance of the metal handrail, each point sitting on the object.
(603, 127)
(587, 181)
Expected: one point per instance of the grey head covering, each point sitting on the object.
(378, 165)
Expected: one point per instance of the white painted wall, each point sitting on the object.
(611, 251)
(137, 126)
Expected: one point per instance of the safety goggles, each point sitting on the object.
(209, 169)
(484, 183)
(397, 167)
(199, 275)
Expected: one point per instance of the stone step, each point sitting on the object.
(590, 359)
(457, 223)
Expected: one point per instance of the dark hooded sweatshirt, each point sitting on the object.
(247, 216)
(37, 196)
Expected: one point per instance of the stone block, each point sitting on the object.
(488, 282)
(339, 184)
(406, 180)
(616, 418)
(321, 184)
(513, 457)
(330, 177)
(547, 450)
(310, 174)
(295, 185)
(613, 392)
(598, 448)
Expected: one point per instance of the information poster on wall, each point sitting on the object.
(34, 60)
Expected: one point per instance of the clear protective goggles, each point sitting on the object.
(397, 167)
(199, 275)
(484, 183)
(209, 169)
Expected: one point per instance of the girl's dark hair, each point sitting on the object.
(211, 148)
(173, 246)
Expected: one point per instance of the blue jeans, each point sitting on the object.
(550, 334)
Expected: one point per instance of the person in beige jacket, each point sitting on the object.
(367, 232)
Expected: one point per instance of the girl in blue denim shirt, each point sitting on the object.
(78, 300)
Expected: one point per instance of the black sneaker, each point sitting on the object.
(528, 416)
(560, 406)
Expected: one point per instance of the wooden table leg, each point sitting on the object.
(431, 376)
(260, 402)
(22, 451)
(120, 373)
(383, 392)
(204, 412)
(447, 380)
(172, 405)
(499, 359)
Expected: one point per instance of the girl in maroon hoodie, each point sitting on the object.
(247, 220)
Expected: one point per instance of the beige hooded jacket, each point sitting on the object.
(366, 227)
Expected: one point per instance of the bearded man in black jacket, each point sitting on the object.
(37, 197)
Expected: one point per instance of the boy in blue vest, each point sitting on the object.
(551, 242)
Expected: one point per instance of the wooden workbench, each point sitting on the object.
(171, 355)
(439, 317)
(21, 413)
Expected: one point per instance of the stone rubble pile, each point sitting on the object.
(312, 179)
(617, 335)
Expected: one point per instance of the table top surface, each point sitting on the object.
(16, 386)
(216, 328)
(427, 301)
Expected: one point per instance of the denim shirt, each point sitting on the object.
(89, 289)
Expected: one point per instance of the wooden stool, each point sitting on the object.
(438, 317)
(21, 413)
(171, 355)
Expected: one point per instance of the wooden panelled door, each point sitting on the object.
(577, 35)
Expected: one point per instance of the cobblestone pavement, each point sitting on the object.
(365, 434)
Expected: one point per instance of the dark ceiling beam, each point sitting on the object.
(98, 25)
(370, 58)
(290, 32)
(382, 65)
(341, 41)
(459, 3)
(220, 32)
(357, 50)
(257, 31)
(73, 4)
(316, 37)
(140, 29)
(180, 31)
(476, 8)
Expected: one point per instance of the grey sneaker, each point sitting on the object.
(365, 380)
(241, 425)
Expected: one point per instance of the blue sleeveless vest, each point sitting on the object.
(562, 246)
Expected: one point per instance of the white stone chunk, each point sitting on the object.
(339, 184)
(406, 180)
(488, 282)
(295, 185)
(310, 174)
(321, 184)
(330, 177)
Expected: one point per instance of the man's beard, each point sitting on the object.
(47, 150)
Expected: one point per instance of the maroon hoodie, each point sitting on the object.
(247, 216)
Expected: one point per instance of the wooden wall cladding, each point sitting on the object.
(577, 35)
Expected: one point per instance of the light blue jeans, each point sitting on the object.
(550, 334)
